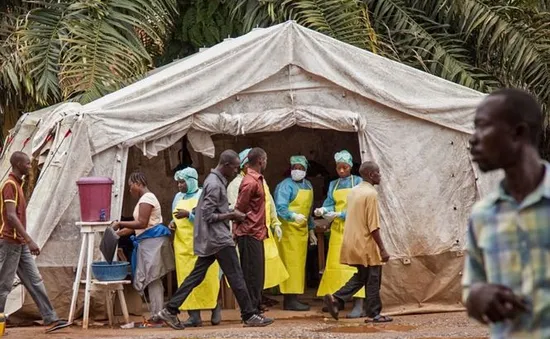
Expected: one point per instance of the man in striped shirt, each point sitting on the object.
(507, 271)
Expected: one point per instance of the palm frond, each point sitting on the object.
(518, 53)
(71, 47)
(344, 20)
(42, 47)
(425, 43)
(256, 13)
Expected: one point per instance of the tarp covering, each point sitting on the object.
(415, 125)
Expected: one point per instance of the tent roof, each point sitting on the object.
(188, 86)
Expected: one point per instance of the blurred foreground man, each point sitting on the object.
(507, 270)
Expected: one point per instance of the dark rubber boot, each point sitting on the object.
(291, 303)
(194, 319)
(216, 315)
(357, 311)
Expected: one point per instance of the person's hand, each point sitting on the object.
(33, 247)
(238, 215)
(172, 225)
(312, 238)
(330, 216)
(278, 232)
(299, 218)
(385, 255)
(319, 212)
(491, 303)
(115, 225)
(181, 213)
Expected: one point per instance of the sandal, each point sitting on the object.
(58, 325)
(332, 305)
(380, 319)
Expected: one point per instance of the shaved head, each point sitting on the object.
(20, 163)
(370, 172)
(228, 156)
(18, 157)
(368, 167)
(229, 164)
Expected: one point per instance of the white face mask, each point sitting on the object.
(298, 175)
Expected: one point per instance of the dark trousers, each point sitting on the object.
(229, 263)
(252, 258)
(369, 277)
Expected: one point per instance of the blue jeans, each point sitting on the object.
(17, 259)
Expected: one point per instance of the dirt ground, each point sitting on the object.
(287, 325)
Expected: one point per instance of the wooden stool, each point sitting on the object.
(110, 288)
(88, 231)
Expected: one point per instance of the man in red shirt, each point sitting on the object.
(17, 247)
(251, 232)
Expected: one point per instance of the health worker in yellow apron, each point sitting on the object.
(204, 296)
(294, 200)
(337, 275)
(275, 271)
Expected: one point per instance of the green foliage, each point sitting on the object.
(200, 24)
(59, 50)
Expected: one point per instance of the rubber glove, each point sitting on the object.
(319, 212)
(278, 232)
(312, 238)
(299, 218)
(330, 216)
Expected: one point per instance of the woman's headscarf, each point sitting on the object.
(344, 157)
(191, 178)
(299, 160)
(243, 157)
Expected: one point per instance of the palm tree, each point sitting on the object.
(482, 44)
(57, 50)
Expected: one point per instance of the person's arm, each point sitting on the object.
(246, 190)
(373, 224)
(329, 202)
(177, 198)
(233, 192)
(9, 196)
(144, 213)
(273, 212)
(125, 232)
(310, 222)
(210, 206)
(284, 193)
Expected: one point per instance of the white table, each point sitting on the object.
(89, 230)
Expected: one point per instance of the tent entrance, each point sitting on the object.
(317, 145)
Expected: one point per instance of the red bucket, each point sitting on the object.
(95, 198)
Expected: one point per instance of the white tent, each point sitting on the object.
(414, 125)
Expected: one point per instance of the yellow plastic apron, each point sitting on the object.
(337, 275)
(293, 245)
(275, 270)
(204, 296)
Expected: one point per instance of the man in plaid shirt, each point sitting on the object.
(507, 271)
